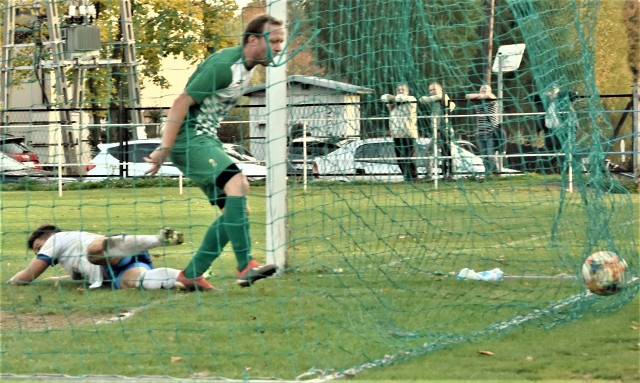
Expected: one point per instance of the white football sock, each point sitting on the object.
(160, 278)
(124, 245)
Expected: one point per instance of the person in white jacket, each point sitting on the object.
(403, 128)
(122, 261)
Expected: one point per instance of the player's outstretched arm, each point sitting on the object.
(30, 273)
(170, 130)
(428, 99)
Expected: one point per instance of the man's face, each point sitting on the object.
(553, 92)
(269, 45)
(403, 89)
(434, 90)
(39, 242)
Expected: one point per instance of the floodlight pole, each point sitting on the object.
(500, 157)
(636, 132)
(500, 87)
(507, 60)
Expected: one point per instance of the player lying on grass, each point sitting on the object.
(120, 260)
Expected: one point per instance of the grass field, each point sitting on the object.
(370, 288)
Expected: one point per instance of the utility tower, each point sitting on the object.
(68, 46)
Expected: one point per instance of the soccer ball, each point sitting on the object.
(603, 272)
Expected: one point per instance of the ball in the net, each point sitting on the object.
(604, 272)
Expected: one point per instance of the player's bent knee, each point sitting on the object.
(238, 185)
(129, 279)
(97, 260)
(96, 247)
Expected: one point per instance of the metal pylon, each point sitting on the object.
(8, 37)
(129, 42)
(59, 63)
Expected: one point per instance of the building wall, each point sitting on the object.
(324, 112)
(41, 127)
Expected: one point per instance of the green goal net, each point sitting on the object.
(382, 265)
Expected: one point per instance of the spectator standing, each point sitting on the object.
(441, 106)
(487, 126)
(560, 123)
(403, 127)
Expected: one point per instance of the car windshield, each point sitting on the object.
(132, 152)
(243, 152)
(378, 152)
(384, 153)
(14, 147)
(313, 149)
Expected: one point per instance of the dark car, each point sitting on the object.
(16, 148)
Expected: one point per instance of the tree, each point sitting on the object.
(631, 20)
(187, 28)
(162, 28)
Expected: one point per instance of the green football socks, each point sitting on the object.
(232, 225)
(237, 227)
(214, 241)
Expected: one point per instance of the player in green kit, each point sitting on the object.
(190, 138)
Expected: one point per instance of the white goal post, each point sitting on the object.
(276, 156)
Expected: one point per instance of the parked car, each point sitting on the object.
(127, 160)
(315, 146)
(12, 171)
(240, 153)
(374, 160)
(16, 148)
(468, 146)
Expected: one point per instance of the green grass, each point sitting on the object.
(371, 272)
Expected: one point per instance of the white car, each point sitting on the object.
(127, 160)
(315, 146)
(239, 153)
(374, 159)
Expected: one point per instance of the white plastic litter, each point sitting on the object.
(489, 275)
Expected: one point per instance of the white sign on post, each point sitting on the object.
(508, 58)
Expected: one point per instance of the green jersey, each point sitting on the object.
(216, 86)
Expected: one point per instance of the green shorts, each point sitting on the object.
(205, 162)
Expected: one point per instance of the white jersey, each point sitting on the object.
(69, 249)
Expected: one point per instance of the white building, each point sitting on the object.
(323, 108)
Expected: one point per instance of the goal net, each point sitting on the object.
(482, 228)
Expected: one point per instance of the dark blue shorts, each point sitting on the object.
(114, 273)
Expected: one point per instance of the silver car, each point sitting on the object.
(374, 159)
